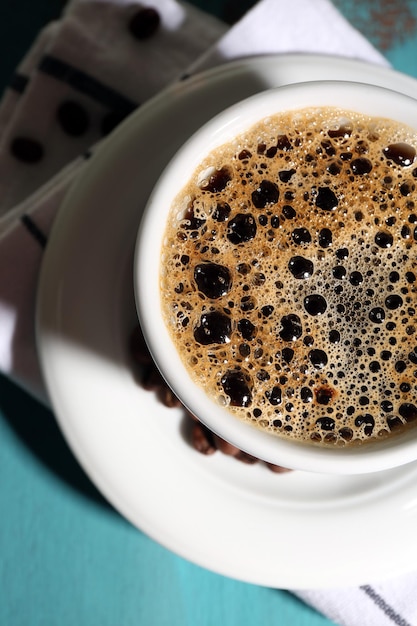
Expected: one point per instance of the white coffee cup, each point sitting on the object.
(370, 100)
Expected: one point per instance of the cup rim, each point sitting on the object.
(368, 99)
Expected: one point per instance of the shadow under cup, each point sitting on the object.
(391, 451)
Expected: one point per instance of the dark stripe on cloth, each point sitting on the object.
(60, 70)
(384, 606)
(18, 82)
(34, 230)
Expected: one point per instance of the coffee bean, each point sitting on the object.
(202, 439)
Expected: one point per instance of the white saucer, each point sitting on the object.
(289, 531)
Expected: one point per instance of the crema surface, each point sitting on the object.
(288, 276)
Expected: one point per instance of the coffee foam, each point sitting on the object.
(289, 276)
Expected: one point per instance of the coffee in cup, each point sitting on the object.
(288, 276)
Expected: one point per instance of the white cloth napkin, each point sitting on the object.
(392, 603)
(90, 57)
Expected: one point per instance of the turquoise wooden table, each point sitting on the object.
(66, 557)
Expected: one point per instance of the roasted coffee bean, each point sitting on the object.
(202, 439)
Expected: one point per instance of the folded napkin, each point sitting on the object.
(83, 75)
